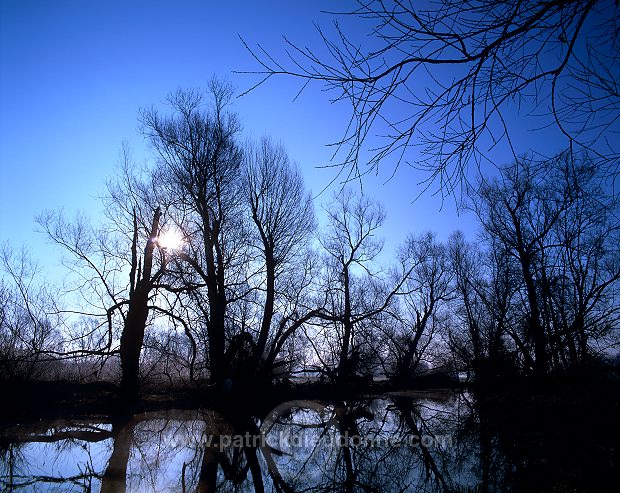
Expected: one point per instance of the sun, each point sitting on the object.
(171, 239)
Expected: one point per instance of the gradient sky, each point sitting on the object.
(73, 75)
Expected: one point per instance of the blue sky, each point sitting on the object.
(73, 75)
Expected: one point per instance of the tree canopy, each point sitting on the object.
(453, 80)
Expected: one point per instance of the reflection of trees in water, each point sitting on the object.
(115, 477)
(349, 446)
(476, 450)
(553, 443)
(361, 446)
(227, 464)
(58, 443)
(538, 444)
(148, 452)
(199, 453)
(124, 454)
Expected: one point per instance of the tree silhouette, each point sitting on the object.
(142, 282)
(198, 181)
(554, 230)
(418, 313)
(97, 263)
(451, 77)
(350, 242)
(30, 317)
(283, 215)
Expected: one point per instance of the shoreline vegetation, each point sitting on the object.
(55, 399)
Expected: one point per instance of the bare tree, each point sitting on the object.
(555, 225)
(141, 286)
(351, 248)
(581, 284)
(520, 212)
(198, 183)
(418, 313)
(485, 328)
(226, 206)
(450, 77)
(29, 317)
(98, 258)
(283, 215)
(94, 286)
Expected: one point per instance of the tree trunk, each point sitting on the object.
(132, 337)
(270, 266)
(343, 366)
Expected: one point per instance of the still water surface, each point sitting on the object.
(430, 442)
